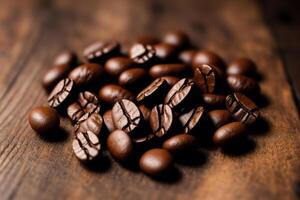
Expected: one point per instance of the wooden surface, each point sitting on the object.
(32, 32)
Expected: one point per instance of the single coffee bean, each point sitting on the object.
(142, 54)
(165, 52)
(44, 120)
(99, 52)
(172, 80)
(108, 121)
(242, 66)
(187, 56)
(242, 108)
(119, 145)
(116, 65)
(61, 93)
(126, 115)
(156, 161)
(111, 93)
(54, 75)
(145, 112)
(205, 77)
(86, 74)
(154, 93)
(220, 117)
(193, 119)
(229, 133)
(177, 38)
(68, 58)
(242, 84)
(86, 146)
(133, 78)
(180, 143)
(89, 122)
(213, 100)
(160, 70)
(161, 120)
(147, 39)
(208, 58)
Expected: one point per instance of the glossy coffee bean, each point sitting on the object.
(220, 117)
(160, 70)
(133, 78)
(86, 146)
(187, 56)
(111, 93)
(242, 108)
(161, 120)
(108, 121)
(177, 38)
(242, 66)
(68, 58)
(205, 77)
(54, 75)
(116, 65)
(89, 122)
(180, 143)
(209, 58)
(165, 52)
(214, 100)
(142, 54)
(99, 52)
(146, 39)
(172, 80)
(229, 133)
(193, 119)
(145, 112)
(242, 84)
(44, 120)
(119, 145)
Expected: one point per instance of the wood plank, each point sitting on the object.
(31, 168)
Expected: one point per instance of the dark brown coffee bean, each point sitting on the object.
(147, 39)
(86, 146)
(54, 75)
(177, 38)
(86, 74)
(108, 121)
(133, 78)
(61, 93)
(180, 143)
(116, 65)
(160, 70)
(172, 80)
(111, 93)
(214, 100)
(165, 52)
(142, 54)
(242, 84)
(242, 66)
(156, 161)
(192, 119)
(99, 52)
(126, 115)
(68, 58)
(229, 133)
(44, 120)
(187, 56)
(89, 122)
(153, 93)
(220, 117)
(145, 112)
(161, 120)
(242, 108)
(119, 145)
(205, 77)
(209, 58)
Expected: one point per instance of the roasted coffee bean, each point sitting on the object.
(229, 133)
(220, 117)
(242, 66)
(154, 93)
(205, 77)
(111, 93)
(54, 75)
(181, 94)
(209, 58)
(86, 74)
(133, 78)
(242, 108)
(44, 120)
(126, 115)
(213, 100)
(89, 122)
(177, 38)
(187, 56)
(242, 84)
(68, 58)
(160, 70)
(145, 112)
(161, 120)
(142, 54)
(172, 80)
(86, 146)
(86, 103)
(180, 143)
(116, 65)
(61, 93)
(99, 52)
(193, 119)
(156, 161)
(147, 39)
(165, 52)
(119, 145)
(108, 121)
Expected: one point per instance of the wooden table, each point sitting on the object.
(33, 31)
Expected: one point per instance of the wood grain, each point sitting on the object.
(32, 32)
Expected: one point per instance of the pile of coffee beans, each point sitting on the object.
(147, 103)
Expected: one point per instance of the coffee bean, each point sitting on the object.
(145, 112)
(177, 38)
(220, 117)
(68, 58)
(86, 74)
(193, 119)
(111, 93)
(116, 65)
(61, 93)
(86, 146)
(89, 122)
(161, 120)
(187, 56)
(44, 120)
(243, 84)
(160, 70)
(172, 80)
(54, 75)
(205, 77)
(156, 161)
(99, 52)
(229, 133)
(242, 66)
(180, 143)
(147, 39)
(108, 121)
(209, 58)
(142, 54)
(242, 108)
(134, 78)
(119, 145)
(213, 100)
(126, 115)
(165, 52)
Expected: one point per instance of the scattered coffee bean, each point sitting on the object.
(133, 78)
(160, 70)
(242, 108)
(242, 66)
(205, 77)
(54, 75)
(161, 120)
(220, 117)
(142, 54)
(111, 93)
(147, 39)
(187, 56)
(165, 52)
(242, 84)
(192, 119)
(172, 80)
(68, 58)
(229, 133)
(180, 143)
(145, 112)
(108, 121)
(119, 145)
(89, 122)
(209, 58)
(214, 100)
(99, 52)
(116, 65)
(177, 38)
